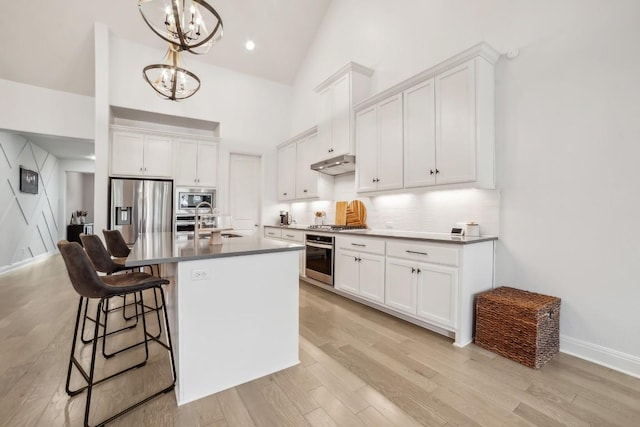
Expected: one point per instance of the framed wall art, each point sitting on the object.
(28, 181)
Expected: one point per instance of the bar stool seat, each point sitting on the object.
(89, 285)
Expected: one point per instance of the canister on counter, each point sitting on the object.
(472, 229)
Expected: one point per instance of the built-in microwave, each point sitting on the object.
(188, 198)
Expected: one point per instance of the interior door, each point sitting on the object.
(244, 192)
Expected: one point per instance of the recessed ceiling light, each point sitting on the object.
(250, 45)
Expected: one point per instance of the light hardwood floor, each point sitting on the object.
(359, 367)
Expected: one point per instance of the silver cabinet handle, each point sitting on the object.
(416, 252)
(290, 235)
(358, 244)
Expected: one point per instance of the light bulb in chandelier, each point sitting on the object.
(170, 80)
(191, 25)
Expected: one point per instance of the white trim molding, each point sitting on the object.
(622, 362)
(8, 268)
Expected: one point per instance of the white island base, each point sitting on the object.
(233, 319)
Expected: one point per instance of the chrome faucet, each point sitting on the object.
(196, 227)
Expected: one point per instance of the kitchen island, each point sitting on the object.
(233, 308)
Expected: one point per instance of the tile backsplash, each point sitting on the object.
(414, 210)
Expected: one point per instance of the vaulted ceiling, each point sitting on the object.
(50, 43)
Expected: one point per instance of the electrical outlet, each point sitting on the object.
(200, 274)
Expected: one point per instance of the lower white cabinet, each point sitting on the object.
(290, 235)
(401, 280)
(359, 271)
(430, 283)
(427, 291)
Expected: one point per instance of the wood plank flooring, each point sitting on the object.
(358, 367)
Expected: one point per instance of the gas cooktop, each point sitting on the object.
(334, 227)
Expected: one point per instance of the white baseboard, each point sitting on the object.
(24, 263)
(625, 363)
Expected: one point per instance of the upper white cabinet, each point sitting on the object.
(336, 96)
(296, 180)
(448, 123)
(287, 172)
(140, 154)
(420, 135)
(196, 163)
(379, 146)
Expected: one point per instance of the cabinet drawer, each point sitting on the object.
(293, 235)
(361, 244)
(434, 253)
(275, 233)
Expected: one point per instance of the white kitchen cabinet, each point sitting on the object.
(140, 154)
(336, 96)
(449, 129)
(456, 124)
(295, 176)
(360, 270)
(400, 285)
(448, 124)
(379, 146)
(423, 290)
(420, 135)
(436, 298)
(289, 235)
(287, 172)
(196, 163)
(307, 180)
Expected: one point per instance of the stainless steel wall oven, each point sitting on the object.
(319, 254)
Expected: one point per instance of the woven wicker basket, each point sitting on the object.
(519, 325)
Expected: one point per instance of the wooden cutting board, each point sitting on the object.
(341, 213)
(356, 213)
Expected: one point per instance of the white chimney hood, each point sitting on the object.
(337, 165)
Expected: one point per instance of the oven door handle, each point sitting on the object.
(319, 245)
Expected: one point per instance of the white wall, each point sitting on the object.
(81, 168)
(253, 113)
(34, 109)
(567, 140)
(29, 223)
(79, 194)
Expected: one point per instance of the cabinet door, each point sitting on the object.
(158, 156)
(324, 124)
(390, 143)
(372, 277)
(187, 153)
(420, 135)
(306, 179)
(456, 125)
(437, 294)
(347, 271)
(341, 122)
(400, 285)
(367, 149)
(287, 172)
(207, 164)
(127, 156)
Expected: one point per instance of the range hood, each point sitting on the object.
(337, 165)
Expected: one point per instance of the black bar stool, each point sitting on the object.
(89, 285)
(103, 263)
(118, 248)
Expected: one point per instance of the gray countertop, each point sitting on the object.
(401, 234)
(161, 248)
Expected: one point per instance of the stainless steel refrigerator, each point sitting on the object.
(140, 206)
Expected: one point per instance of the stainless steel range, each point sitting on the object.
(320, 252)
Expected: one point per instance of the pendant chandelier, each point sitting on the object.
(170, 80)
(191, 25)
(187, 25)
